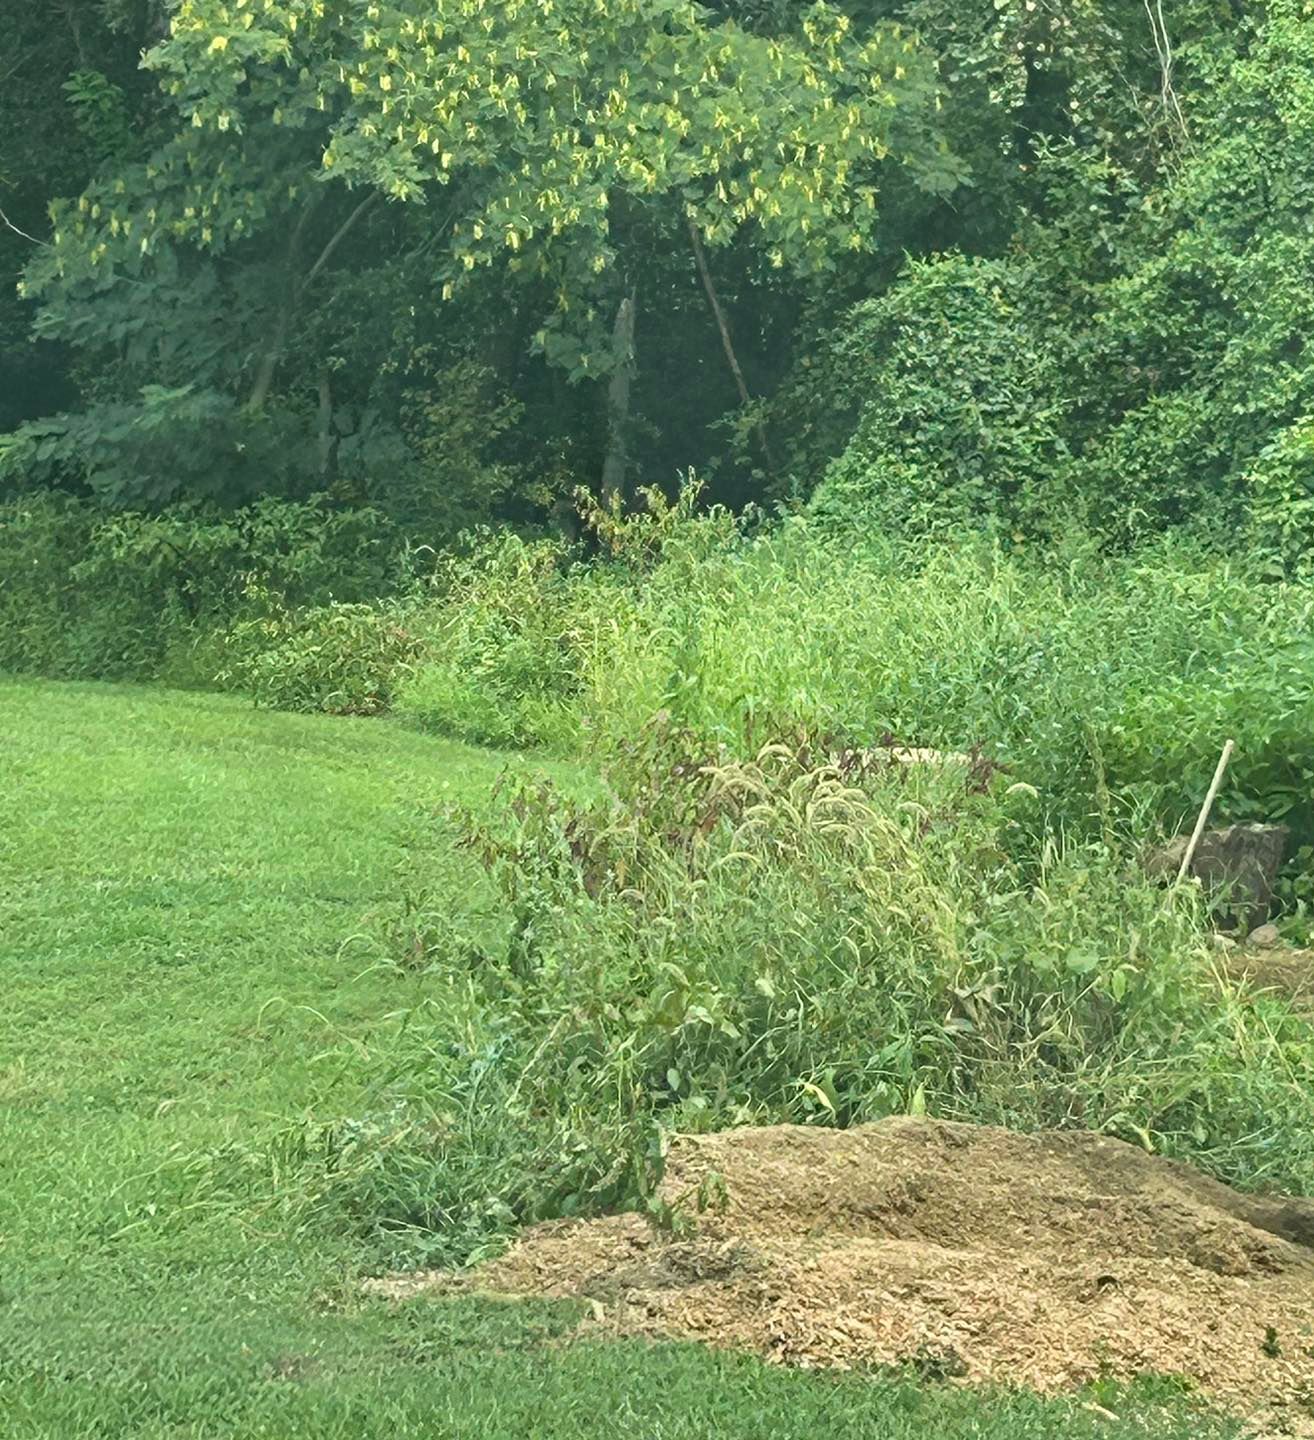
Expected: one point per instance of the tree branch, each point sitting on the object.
(70, 15)
(9, 225)
(1164, 50)
(292, 295)
(713, 299)
(326, 254)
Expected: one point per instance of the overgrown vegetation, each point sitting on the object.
(1018, 265)
(182, 881)
(800, 937)
(715, 397)
(1103, 681)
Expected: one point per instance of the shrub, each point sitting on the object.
(1095, 678)
(301, 552)
(964, 412)
(1085, 674)
(91, 594)
(1281, 485)
(501, 661)
(341, 659)
(799, 937)
(55, 619)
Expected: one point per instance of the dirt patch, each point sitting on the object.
(1044, 1261)
(1288, 972)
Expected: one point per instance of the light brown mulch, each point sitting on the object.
(1044, 1261)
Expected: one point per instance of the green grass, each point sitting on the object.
(187, 894)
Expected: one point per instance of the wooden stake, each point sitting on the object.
(1204, 812)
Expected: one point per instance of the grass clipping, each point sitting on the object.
(968, 1252)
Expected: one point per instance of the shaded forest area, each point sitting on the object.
(1017, 263)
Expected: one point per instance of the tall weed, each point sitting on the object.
(1099, 680)
(806, 937)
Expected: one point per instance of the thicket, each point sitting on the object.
(92, 594)
(1020, 266)
(795, 937)
(1105, 681)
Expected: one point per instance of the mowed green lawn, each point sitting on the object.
(191, 894)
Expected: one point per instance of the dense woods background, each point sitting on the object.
(1022, 263)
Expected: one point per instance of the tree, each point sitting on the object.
(1137, 360)
(71, 99)
(571, 146)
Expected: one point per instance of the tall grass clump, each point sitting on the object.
(802, 936)
(502, 641)
(1097, 678)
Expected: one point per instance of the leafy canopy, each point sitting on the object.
(569, 141)
(527, 117)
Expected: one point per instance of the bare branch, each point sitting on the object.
(1164, 50)
(327, 253)
(727, 343)
(9, 225)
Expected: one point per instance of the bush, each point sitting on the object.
(1281, 485)
(1096, 679)
(803, 938)
(502, 654)
(1084, 674)
(340, 659)
(57, 620)
(964, 412)
(89, 594)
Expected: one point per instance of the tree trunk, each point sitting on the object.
(615, 468)
(325, 428)
(292, 292)
(269, 359)
(264, 378)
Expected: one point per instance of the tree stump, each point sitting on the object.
(1237, 865)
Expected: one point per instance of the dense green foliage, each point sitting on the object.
(715, 394)
(132, 596)
(1008, 264)
(1106, 682)
(275, 329)
(1139, 361)
(797, 938)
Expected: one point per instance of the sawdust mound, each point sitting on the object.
(1043, 1261)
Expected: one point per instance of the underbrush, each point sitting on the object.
(804, 932)
(87, 593)
(804, 937)
(1100, 679)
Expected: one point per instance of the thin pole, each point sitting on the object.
(1204, 811)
